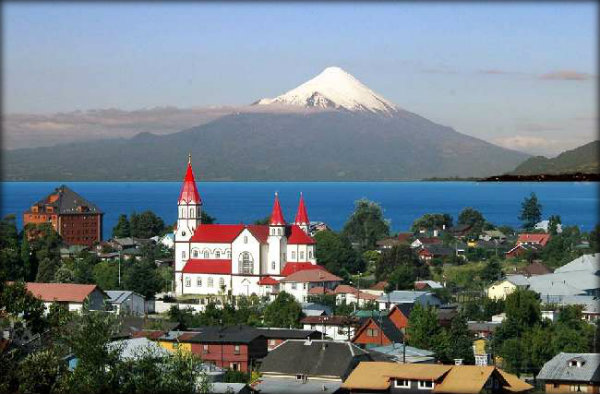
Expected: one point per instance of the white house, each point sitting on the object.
(71, 295)
(307, 282)
(238, 259)
(338, 328)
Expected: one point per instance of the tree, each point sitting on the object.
(366, 225)
(40, 372)
(553, 222)
(423, 329)
(263, 221)
(461, 343)
(472, 217)
(47, 270)
(10, 261)
(523, 307)
(336, 253)
(205, 218)
(531, 212)
(284, 311)
(64, 275)
(106, 275)
(492, 271)
(400, 267)
(122, 229)
(146, 225)
(141, 277)
(431, 221)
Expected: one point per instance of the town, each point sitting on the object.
(293, 306)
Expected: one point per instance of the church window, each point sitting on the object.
(188, 282)
(183, 254)
(310, 255)
(272, 265)
(217, 254)
(206, 254)
(221, 282)
(301, 255)
(246, 264)
(245, 239)
(210, 282)
(195, 252)
(199, 282)
(191, 212)
(229, 254)
(279, 231)
(293, 255)
(272, 231)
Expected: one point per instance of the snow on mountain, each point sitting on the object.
(334, 88)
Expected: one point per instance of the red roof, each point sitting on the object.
(267, 280)
(291, 268)
(299, 237)
(260, 231)
(66, 292)
(207, 266)
(189, 192)
(379, 286)
(276, 215)
(320, 290)
(541, 239)
(314, 275)
(301, 215)
(219, 233)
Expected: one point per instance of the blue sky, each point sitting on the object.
(518, 74)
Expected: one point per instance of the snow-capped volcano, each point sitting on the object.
(336, 89)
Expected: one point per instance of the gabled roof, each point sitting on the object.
(217, 233)
(119, 296)
(400, 296)
(291, 268)
(320, 290)
(347, 289)
(267, 281)
(66, 201)
(301, 215)
(189, 191)
(207, 266)
(466, 379)
(329, 320)
(298, 237)
(312, 275)
(319, 358)
(287, 333)
(276, 214)
(536, 268)
(385, 324)
(135, 348)
(541, 239)
(558, 368)
(61, 292)
(587, 262)
(233, 334)
(379, 286)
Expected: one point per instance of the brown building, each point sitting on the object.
(78, 221)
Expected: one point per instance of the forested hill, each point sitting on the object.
(584, 159)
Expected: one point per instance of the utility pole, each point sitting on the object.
(119, 268)
(358, 293)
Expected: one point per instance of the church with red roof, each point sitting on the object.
(241, 259)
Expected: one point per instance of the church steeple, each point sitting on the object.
(189, 191)
(276, 215)
(189, 205)
(302, 216)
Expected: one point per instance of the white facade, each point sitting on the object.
(333, 331)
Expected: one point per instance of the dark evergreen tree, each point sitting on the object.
(531, 212)
(46, 271)
(122, 229)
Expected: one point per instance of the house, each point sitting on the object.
(482, 329)
(276, 336)
(506, 286)
(311, 362)
(72, 251)
(315, 227)
(349, 294)
(75, 219)
(460, 230)
(544, 225)
(571, 372)
(389, 377)
(71, 295)
(420, 241)
(588, 263)
(299, 283)
(127, 302)
(136, 348)
(397, 297)
(400, 353)
(535, 268)
(338, 328)
(533, 239)
(521, 249)
(427, 285)
(489, 235)
(315, 309)
(553, 287)
(377, 289)
(231, 388)
(383, 329)
(590, 306)
(387, 243)
(429, 252)
(168, 240)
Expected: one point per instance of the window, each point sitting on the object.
(372, 332)
(206, 254)
(191, 212)
(279, 231)
(188, 282)
(403, 384)
(301, 255)
(210, 282)
(183, 254)
(234, 366)
(246, 263)
(245, 239)
(199, 282)
(293, 255)
(204, 349)
(293, 285)
(221, 282)
(425, 385)
(272, 265)
(579, 388)
(272, 342)
(272, 231)
(195, 252)
(217, 254)
(304, 286)
(236, 349)
(310, 256)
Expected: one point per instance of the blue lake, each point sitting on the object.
(331, 202)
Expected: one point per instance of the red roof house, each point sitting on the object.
(537, 239)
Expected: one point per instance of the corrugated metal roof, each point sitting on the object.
(559, 368)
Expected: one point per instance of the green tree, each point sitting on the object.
(64, 275)
(142, 277)
(523, 307)
(473, 217)
(122, 229)
(205, 218)
(146, 225)
(431, 221)
(531, 211)
(461, 343)
(10, 261)
(400, 267)
(84, 267)
(40, 372)
(263, 221)
(366, 225)
(46, 271)
(423, 329)
(553, 222)
(106, 275)
(284, 311)
(336, 253)
(492, 271)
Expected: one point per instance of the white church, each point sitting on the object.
(240, 259)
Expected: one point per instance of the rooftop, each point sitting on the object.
(559, 368)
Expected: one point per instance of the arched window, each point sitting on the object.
(246, 263)
(191, 212)
(279, 231)
(310, 256)
(221, 282)
(199, 282)
(272, 231)
(206, 254)
(301, 256)
(293, 255)
(188, 282)
(210, 282)
(245, 239)
(217, 254)
(195, 252)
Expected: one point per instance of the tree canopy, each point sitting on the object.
(336, 253)
(431, 221)
(531, 211)
(366, 225)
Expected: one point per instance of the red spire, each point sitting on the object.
(276, 215)
(301, 215)
(189, 192)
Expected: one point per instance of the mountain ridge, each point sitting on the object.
(583, 159)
